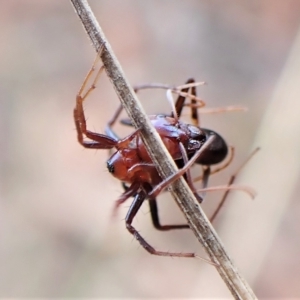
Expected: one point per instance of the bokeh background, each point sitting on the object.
(57, 237)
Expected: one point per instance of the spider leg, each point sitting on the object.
(154, 212)
(134, 208)
(156, 221)
(98, 141)
(129, 192)
(230, 182)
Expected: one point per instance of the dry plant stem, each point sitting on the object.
(162, 159)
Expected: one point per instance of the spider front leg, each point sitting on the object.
(98, 141)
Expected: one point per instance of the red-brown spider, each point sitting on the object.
(187, 144)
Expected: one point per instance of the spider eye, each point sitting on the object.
(110, 167)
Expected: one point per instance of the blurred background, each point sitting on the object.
(57, 236)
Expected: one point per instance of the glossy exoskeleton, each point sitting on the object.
(132, 164)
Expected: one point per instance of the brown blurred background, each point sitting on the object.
(57, 238)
